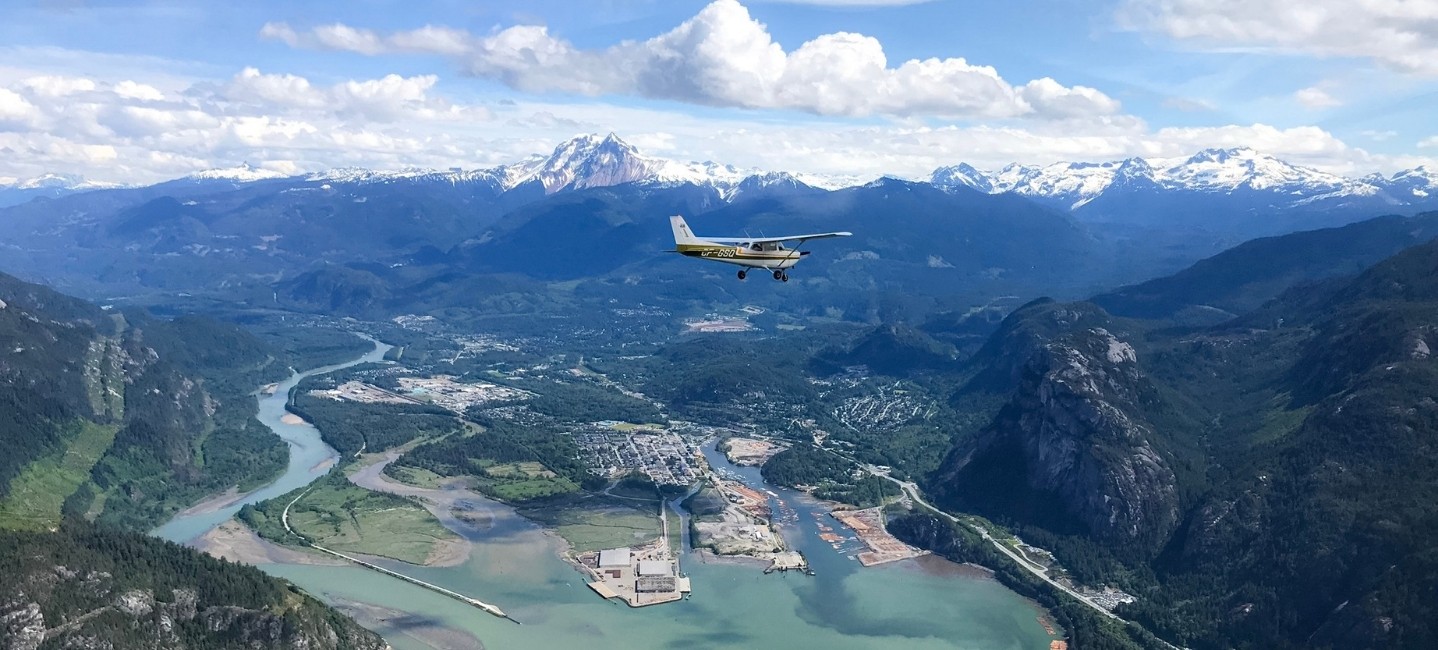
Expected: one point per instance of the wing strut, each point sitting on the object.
(791, 254)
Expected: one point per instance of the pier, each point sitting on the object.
(474, 602)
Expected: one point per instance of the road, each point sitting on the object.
(285, 519)
(1041, 573)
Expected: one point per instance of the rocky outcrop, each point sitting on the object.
(1069, 450)
(22, 626)
(90, 617)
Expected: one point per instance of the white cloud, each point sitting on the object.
(1378, 136)
(1315, 97)
(1189, 104)
(250, 85)
(132, 90)
(129, 131)
(724, 57)
(854, 3)
(1399, 34)
(292, 124)
(1428, 142)
(53, 86)
(16, 112)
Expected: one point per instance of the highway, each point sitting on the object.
(912, 491)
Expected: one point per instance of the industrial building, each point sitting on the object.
(614, 558)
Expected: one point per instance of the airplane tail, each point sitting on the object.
(682, 234)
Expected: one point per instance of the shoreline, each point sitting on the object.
(432, 633)
(215, 502)
(439, 502)
(236, 542)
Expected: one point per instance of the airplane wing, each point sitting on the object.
(769, 240)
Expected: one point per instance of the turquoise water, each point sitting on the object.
(844, 606)
(515, 565)
(310, 457)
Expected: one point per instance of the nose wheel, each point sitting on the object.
(781, 276)
(743, 274)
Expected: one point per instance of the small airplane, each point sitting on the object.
(768, 253)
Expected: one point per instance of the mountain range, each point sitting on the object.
(1259, 482)
(1236, 189)
(589, 161)
(596, 206)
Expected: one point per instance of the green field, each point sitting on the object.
(417, 476)
(521, 481)
(524, 470)
(591, 525)
(37, 494)
(676, 530)
(342, 516)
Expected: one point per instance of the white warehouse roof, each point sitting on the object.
(614, 558)
(655, 568)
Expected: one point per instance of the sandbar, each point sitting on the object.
(235, 542)
(215, 503)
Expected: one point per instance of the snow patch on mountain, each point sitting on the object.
(242, 173)
(69, 182)
(1223, 171)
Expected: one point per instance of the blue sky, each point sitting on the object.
(140, 91)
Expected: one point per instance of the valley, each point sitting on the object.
(587, 401)
(812, 324)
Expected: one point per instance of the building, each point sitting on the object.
(614, 558)
(656, 584)
(655, 568)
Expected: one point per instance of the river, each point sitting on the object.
(914, 604)
(310, 457)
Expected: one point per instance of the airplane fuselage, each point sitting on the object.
(743, 255)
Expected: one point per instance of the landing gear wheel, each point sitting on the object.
(743, 274)
(778, 275)
(784, 277)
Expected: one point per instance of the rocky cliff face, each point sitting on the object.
(1069, 449)
(93, 590)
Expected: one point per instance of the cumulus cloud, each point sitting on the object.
(16, 112)
(1429, 142)
(854, 3)
(1398, 34)
(131, 90)
(724, 57)
(105, 130)
(1315, 97)
(128, 130)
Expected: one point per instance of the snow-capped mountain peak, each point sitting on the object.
(59, 182)
(1230, 169)
(961, 174)
(591, 161)
(241, 173)
(1419, 183)
(1213, 171)
(18, 190)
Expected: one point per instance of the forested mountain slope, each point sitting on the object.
(112, 422)
(1266, 482)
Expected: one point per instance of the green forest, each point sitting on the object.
(351, 426)
(497, 458)
(77, 574)
(831, 476)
